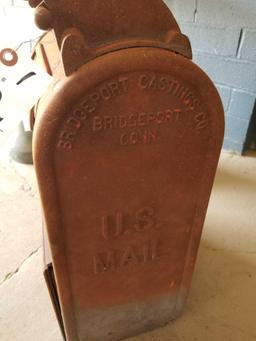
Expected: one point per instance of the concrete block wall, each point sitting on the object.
(223, 38)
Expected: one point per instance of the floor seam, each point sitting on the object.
(10, 275)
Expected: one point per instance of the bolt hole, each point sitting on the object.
(8, 56)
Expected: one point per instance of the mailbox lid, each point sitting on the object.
(126, 151)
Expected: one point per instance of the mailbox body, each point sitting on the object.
(126, 144)
(126, 150)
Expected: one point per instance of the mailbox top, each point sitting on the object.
(87, 29)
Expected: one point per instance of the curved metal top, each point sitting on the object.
(104, 21)
(99, 26)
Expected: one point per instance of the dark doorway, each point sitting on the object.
(250, 143)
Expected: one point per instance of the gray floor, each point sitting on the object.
(222, 301)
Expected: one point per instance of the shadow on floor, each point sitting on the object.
(222, 300)
(228, 178)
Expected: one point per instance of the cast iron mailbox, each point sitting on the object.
(126, 145)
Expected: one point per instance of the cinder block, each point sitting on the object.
(242, 104)
(218, 41)
(227, 13)
(225, 94)
(233, 146)
(236, 128)
(248, 44)
(182, 10)
(230, 72)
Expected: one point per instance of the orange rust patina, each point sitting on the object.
(126, 144)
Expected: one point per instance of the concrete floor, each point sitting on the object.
(222, 301)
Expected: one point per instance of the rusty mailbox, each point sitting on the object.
(126, 144)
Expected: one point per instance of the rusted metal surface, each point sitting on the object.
(48, 55)
(93, 28)
(126, 145)
(8, 57)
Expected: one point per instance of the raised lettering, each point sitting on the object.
(108, 122)
(105, 93)
(80, 114)
(104, 262)
(201, 121)
(124, 140)
(169, 85)
(87, 106)
(115, 89)
(66, 135)
(97, 123)
(142, 119)
(112, 227)
(95, 97)
(129, 257)
(124, 84)
(145, 219)
(74, 123)
(67, 145)
(151, 251)
(143, 81)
